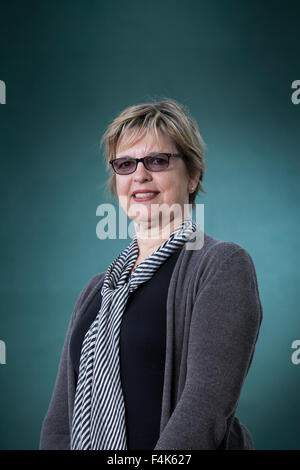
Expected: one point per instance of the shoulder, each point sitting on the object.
(214, 250)
(87, 293)
(219, 257)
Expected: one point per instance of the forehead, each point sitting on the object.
(144, 142)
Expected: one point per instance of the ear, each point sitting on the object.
(194, 181)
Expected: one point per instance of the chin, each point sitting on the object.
(142, 219)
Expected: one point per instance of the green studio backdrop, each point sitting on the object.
(69, 68)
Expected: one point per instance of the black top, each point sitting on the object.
(142, 354)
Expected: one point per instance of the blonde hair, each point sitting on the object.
(171, 118)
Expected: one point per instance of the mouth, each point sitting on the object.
(146, 196)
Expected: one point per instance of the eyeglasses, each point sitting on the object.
(154, 162)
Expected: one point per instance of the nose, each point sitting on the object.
(141, 173)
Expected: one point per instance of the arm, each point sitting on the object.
(224, 327)
(55, 432)
(55, 429)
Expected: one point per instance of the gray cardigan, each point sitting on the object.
(214, 315)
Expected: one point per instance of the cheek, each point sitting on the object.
(175, 186)
(121, 186)
(167, 184)
(176, 192)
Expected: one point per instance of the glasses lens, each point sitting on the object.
(157, 162)
(124, 165)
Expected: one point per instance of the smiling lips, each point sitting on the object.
(145, 196)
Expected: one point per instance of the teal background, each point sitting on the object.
(70, 67)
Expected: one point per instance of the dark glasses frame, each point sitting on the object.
(144, 161)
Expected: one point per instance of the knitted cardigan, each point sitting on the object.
(213, 318)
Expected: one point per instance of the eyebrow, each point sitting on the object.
(148, 155)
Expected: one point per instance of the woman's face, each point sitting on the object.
(173, 184)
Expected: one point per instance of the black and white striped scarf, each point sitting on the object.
(99, 412)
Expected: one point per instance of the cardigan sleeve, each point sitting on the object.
(55, 431)
(226, 318)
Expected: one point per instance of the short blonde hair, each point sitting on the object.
(171, 118)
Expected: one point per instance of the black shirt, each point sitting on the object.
(142, 354)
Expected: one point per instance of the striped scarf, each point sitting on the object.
(99, 412)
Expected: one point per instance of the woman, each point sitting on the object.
(158, 346)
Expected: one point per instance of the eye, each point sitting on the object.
(124, 164)
(157, 160)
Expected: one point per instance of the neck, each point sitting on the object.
(150, 236)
